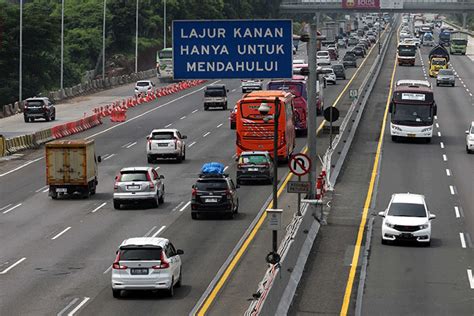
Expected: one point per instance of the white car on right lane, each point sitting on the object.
(407, 218)
(470, 139)
(323, 58)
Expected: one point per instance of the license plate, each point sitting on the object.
(133, 187)
(139, 271)
(411, 135)
(253, 169)
(162, 145)
(406, 235)
(61, 190)
(211, 200)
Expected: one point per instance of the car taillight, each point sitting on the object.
(266, 165)
(240, 165)
(163, 263)
(151, 185)
(175, 143)
(149, 144)
(228, 194)
(194, 192)
(117, 265)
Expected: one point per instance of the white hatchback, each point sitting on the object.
(323, 58)
(470, 139)
(166, 143)
(143, 87)
(407, 219)
(146, 263)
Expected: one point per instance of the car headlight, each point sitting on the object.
(471, 138)
(424, 226)
(426, 130)
(390, 225)
(396, 128)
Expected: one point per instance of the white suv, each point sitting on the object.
(407, 219)
(252, 85)
(166, 143)
(146, 263)
(329, 75)
(323, 58)
(470, 138)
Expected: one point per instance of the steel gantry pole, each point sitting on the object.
(103, 41)
(164, 24)
(136, 39)
(20, 70)
(61, 84)
(312, 104)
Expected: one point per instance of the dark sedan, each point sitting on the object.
(359, 51)
(339, 70)
(349, 60)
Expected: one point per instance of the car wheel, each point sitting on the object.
(427, 244)
(179, 158)
(230, 215)
(184, 154)
(54, 194)
(437, 84)
(225, 107)
(154, 202)
(32, 119)
(180, 280)
(206, 108)
(26, 119)
(428, 140)
(53, 118)
(232, 125)
(236, 211)
(161, 199)
(384, 242)
(453, 84)
(194, 215)
(116, 293)
(243, 91)
(116, 205)
(171, 289)
(394, 138)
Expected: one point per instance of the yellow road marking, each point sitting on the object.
(360, 234)
(210, 299)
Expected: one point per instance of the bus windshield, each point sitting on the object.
(250, 110)
(413, 114)
(404, 50)
(165, 54)
(295, 88)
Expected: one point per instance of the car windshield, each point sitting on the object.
(136, 176)
(407, 210)
(162, 136)
(322, 54)
(138, 254)
(143, 83)
(210, 185)
(338, 67)
(446, 72)
(253, 159)
(214, 93)
(35, 103)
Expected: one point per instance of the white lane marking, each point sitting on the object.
(234, 156)
(117, 125)
(437, 125)
(436, 117)
(108, 157)
(149, 232)
(45, 190)
(41, 189)
(123, 146)
(22, 166)
(185, 206)
(448, 172)
(108, 269)
(168, 125)
(13, 265)
(195, 111)
(471, 278)
(219, 125)
(67, 307)
(451, 188)
(192, 144)
(157, 168)
(233, 90)
(84, 301)
(59, 235)
(441, 144)
(205, 135)
(6, 206)
(158, 231)
(456, 211)
(439, 134)
(463, 240)
(177, 206)
(445, 158)
(225, 168)
(12, 208)
(103, 156)
(182, 118)
(132, 144)
(99, 207)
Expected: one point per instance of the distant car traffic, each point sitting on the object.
(39, 108)
(144, 87)
(166, 143)
(470, 139)
(251, 85)
(407, 218)
(446, 76)
(146, 263)
(214, 193)
(138, 185)
(254, 165)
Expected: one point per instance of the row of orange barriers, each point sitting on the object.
(75, 127)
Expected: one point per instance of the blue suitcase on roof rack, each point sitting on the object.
(212, 168)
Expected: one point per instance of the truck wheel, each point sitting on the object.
(116, 205)
(53, 194)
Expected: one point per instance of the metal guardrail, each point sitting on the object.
(276, 291)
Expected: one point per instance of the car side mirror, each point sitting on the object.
(162, 176)
(432, 216)
(179, 252)
(467, 132)
(116, 252)
(184, 137)
(99, 159)
(382, 214)
(148, 138)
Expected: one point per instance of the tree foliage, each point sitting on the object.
(83, 35)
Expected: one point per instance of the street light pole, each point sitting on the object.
(136, 40)
(276, 117)
(103, 41)
(62, 50)
(164, 24)
(20, 80)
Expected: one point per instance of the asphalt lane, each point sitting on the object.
(408, 279)
(69, 244)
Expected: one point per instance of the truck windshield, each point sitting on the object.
(412, 114)
(214, 93)
(438, 62)
(459, 42)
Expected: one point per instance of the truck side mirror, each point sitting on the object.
(99, 159)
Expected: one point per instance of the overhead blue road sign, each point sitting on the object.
(220, 49)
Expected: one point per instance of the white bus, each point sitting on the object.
(164, 64)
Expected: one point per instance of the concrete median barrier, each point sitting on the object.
(2, 146)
